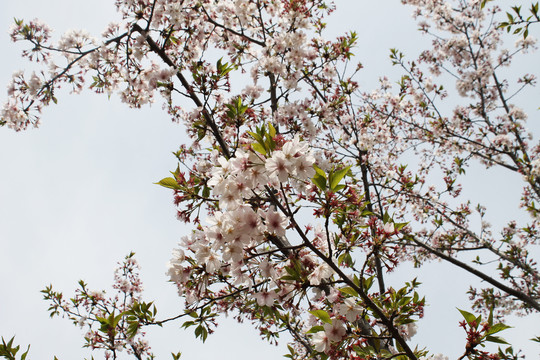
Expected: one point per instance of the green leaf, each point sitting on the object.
(386, 217)
(114, 320)
(319, 181)
(496, 339)
(132, 329)
(193, 314)
(201, 332)
(198, 331)
(176, 172)
(315, 329)
(322, 315)
(337, 177)
(399, 226)
(23, 356)
(483, 3)
(339, 188)
(289, 277)
(271, 130)
(201, 133)
(259, 148)
(169, 182)
(319, 171)
(368, 282)
(496, 328)
(346, 259)
(206, 192)
(255, 136)
(187, 324)
(349, 291)
(270, 143)
(469, 318)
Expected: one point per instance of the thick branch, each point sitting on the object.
(516, 293)
(370, 304)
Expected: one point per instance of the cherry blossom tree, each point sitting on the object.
(304, 190)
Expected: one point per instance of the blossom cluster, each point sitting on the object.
(111, 323)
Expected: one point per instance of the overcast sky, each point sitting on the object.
(77, 195)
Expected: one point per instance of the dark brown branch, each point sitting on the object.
(516, 293)
(388, 323)
(242, 35)
(159, 51)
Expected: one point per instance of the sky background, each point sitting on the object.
(77, 195)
